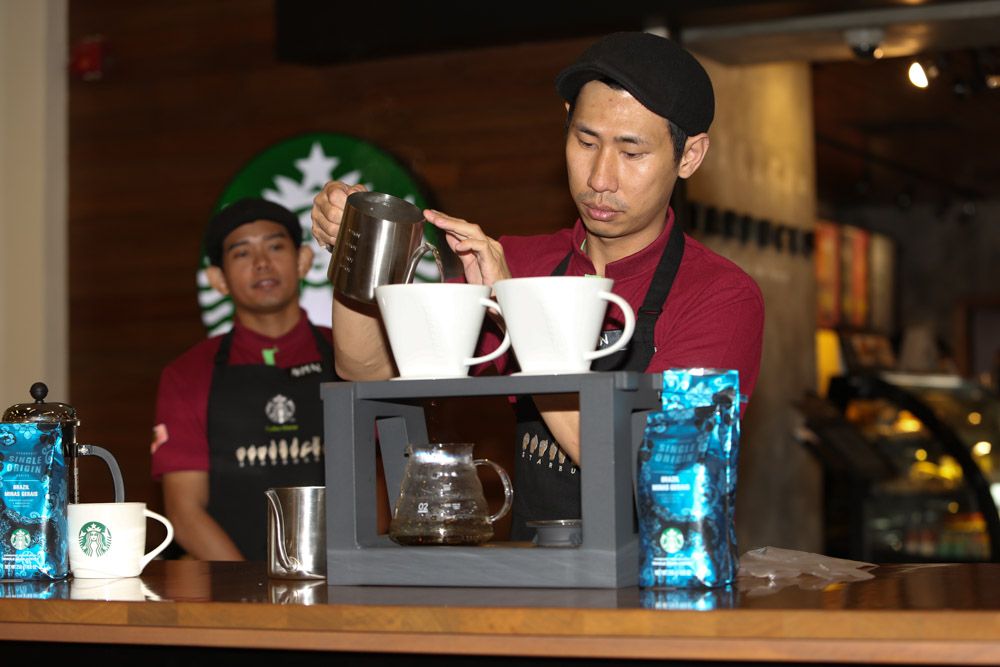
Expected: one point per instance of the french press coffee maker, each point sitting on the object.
(38, 478)
(64, 416)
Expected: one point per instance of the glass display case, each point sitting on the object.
(911, 467)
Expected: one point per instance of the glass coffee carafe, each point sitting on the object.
(441, 498)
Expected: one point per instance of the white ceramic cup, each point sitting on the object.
(433, 327)
(555, 322)
(107, 540)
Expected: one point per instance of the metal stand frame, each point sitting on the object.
(613, 408)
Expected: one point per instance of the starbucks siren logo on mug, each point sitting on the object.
(95, 539)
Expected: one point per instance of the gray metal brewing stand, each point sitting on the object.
(613, 408)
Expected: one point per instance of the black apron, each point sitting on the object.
(547, 482)
(265, 429)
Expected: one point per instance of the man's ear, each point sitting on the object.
(695, 150)
(217, 279)
(305, 259)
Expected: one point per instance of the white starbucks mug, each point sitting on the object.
(433, 327)
(555, 321)
(107, 540)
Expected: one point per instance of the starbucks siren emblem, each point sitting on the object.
(95, 539)
(280, 409)
(291, 173)
(672, 540)
(20, 539)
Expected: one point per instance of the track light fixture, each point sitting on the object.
(922, 73)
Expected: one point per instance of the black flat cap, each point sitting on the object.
(242, 212)
(657, 72)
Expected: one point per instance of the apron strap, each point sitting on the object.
(324, 348)
(653, 302)
(222, 354)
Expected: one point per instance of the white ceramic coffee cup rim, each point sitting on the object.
(132, 503)
(529, 279)
(408, 287)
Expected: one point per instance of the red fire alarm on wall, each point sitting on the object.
(89, 58)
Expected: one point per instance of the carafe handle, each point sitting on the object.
(508, 490)
(289, 563)
(109, 459)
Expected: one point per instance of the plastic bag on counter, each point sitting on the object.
(777, 563)
(769, 569)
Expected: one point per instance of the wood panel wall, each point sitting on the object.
(191, 93)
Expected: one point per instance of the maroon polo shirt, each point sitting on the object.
(179, 437)
(713, 317)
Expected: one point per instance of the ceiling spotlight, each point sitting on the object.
(920, 76)
(993, 81)
(866, 43)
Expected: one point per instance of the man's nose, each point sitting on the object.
(603, 175)
(261, 260)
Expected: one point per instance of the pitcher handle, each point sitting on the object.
(626, 333)
(504, 344)
(508, 490)
(422, 249)
(290, 563)
(109, 459)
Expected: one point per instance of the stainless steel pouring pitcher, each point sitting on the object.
(379, 243)
(296, 532)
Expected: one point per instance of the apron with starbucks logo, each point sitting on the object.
(547, 481)
(265, 429)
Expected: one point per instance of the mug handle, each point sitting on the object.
(163, 545)
(504, 344)
(626, 334)
(508, 489)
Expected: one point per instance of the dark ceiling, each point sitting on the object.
(878, 138)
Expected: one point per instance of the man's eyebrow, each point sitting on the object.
(235, 244)
(630, 139)
(621, 139)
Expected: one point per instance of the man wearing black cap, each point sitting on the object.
(239, 413)
(638, 111)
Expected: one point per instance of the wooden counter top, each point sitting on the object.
(918, 614)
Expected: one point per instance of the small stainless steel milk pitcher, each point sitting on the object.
(296, 532)
(380, 243)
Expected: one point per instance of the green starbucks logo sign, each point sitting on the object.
(94, 538)
(672, 540)
(20, 539)
(292, 173)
